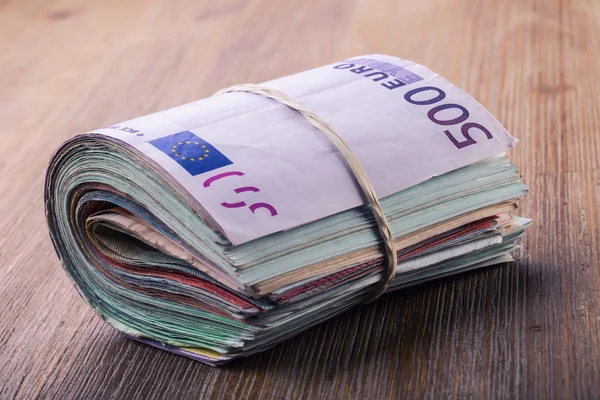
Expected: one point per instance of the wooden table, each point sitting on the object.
(528, 329)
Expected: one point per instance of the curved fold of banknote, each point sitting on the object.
(145, 248)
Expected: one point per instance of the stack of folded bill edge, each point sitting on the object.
(156, 267)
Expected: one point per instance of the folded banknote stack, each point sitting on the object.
(219, 228)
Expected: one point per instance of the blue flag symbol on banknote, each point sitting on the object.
(195, 155)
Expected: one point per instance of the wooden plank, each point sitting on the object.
(528, 329)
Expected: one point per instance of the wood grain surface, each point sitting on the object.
(529, 329)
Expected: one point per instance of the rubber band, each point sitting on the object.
(352, 161)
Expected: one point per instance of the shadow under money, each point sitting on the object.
(436, 323)
(405, 338)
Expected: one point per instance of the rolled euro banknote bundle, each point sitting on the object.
(219, 228)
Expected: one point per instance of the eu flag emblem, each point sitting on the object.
(195, 155)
